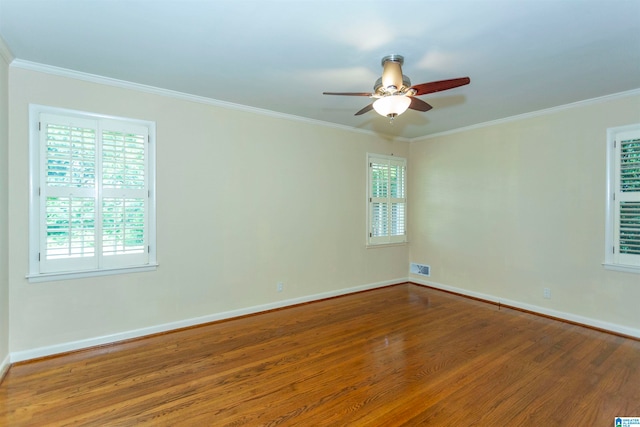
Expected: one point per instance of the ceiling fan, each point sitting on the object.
(393, 91)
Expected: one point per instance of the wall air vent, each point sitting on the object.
(421, 269)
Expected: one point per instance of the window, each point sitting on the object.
(623, 201)
(92, 205)
(387, 199)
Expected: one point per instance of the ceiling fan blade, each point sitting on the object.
(419, 105)
(365, 110)
(348, 93)
(431, 87)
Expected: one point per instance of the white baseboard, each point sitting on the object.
(4, 367)
(574, 318)
(35, 353)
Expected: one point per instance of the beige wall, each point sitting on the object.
(506, 210)
(244, 200)
(4, 224)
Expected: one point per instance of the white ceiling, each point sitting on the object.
(280, 55)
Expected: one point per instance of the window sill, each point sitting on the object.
(621, 267)
(385, 245)
(66, 275)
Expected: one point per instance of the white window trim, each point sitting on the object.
(609, 259)
(34, 275)
(394, 240)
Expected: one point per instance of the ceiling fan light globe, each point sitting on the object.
(392, 106)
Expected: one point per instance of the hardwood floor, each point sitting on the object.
(402, 355)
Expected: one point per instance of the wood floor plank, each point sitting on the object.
(401, 355)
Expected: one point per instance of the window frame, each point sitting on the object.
(612, 258)
(36, 210)
(389, 239)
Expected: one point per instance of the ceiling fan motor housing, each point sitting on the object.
(380, 90)
(392, 79)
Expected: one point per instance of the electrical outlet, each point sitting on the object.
(547, 293)
(280, 287)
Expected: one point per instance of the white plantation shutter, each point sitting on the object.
(387, 200)
(627, 198)
(92, 209)
(379, 198)
(124, 194)
(397, 196)
(67, 193)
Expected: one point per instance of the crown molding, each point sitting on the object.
(5, 52)
(94, 78)
(546, 111)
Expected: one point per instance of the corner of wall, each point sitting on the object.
(5, 59)
(5, 52)
(4, 368)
